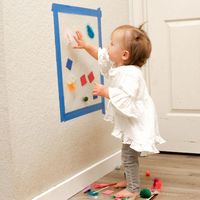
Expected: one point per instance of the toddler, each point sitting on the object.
(130, 106)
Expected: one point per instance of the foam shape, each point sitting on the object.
(69, 38)
(83, 80)
(107, 192)
(69, 63)
(91, 77)
(90, 31)
(95, 97)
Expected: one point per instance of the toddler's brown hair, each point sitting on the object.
(137, 43)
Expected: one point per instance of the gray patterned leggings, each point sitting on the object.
(131, 167)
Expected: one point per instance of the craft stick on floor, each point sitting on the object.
(153, 196)
(102, 189)
(102, 185)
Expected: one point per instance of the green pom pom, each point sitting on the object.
(145, 193)
(85, 99)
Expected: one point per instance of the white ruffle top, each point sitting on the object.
(130, 106)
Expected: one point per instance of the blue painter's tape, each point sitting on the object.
(59, 66)
(76, 10)
(56, 8)
(82, 111)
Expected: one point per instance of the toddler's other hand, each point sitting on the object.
(100, 90)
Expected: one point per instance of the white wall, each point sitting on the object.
(6, 188)
(37, 150)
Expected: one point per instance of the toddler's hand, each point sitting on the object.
(79, 40)
(100, 90)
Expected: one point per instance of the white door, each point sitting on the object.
(174, 71)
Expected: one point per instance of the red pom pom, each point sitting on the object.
(157, 184)
(148, 173)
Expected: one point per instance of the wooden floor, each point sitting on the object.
(180, 175)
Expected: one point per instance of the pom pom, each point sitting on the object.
(157, 183)
(85, 99)
(148, 173)
(145, 193)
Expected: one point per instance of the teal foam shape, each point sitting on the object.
(90, 32)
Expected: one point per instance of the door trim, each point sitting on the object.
(137, 16)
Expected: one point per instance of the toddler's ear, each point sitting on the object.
(125, 55)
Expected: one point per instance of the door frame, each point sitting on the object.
(137, 16)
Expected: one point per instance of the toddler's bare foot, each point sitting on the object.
(121, 184)
(125, 193)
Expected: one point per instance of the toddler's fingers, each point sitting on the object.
(94, 93)
(96, 84)
(75, 38)
(79, 35)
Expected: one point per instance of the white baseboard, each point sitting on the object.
(76, 183)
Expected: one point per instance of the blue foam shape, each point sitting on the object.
(69, 64)
(90, 31)
(95, 97)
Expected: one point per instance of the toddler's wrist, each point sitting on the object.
(86, 46)
(104, 92)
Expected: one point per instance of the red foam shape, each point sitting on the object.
(91, 77)
(83, 80)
